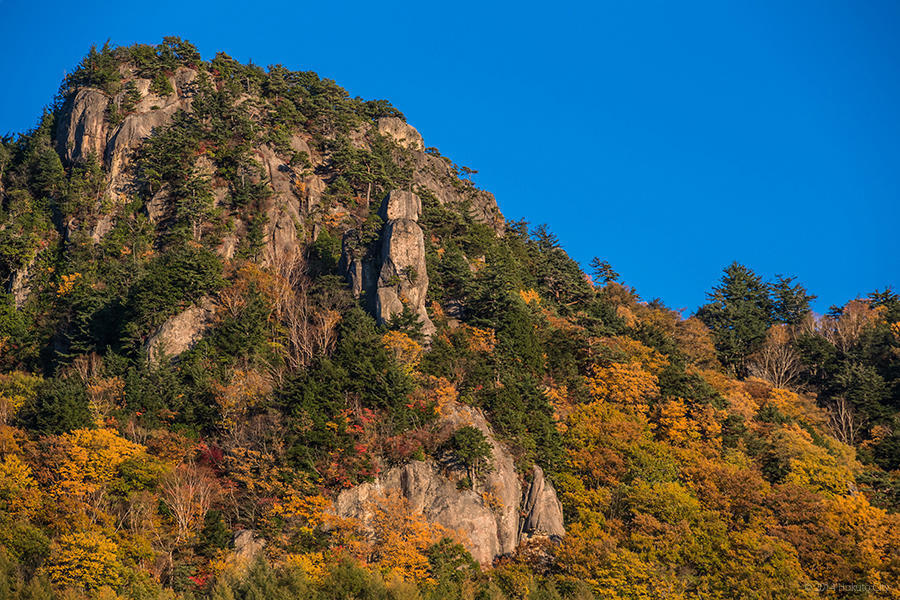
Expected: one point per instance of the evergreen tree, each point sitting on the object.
(602, 271)
(739, 313)
(790, 300)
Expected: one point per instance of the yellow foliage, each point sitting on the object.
(311, 563)
(626, 384)
(810, 465)
(16, 389)
(305, 512)
(68, 284)
(481, 340)
(796, 406)
(18, 491)
(401, 538)
(530, 296)
(695, 340)
(407, 352)
(589, 554)
(440, 391)
(394, 540)
(90, 459)
(624, 313)
(630, 351)
(104, 395)
(874, 534)
(559, 400)
(235, 398)
(84, 559)
(248, 277)
(895, 330)
(673, 424)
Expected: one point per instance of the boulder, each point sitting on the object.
(246, 545)
(181, 332)
(401, 132)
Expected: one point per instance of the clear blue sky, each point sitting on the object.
(670, 138)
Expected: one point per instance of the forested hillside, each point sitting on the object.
(258, 341)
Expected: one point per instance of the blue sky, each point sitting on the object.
(668, 138)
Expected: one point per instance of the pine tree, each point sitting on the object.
(790, 300)
(739, 313)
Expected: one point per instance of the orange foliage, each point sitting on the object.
(480, 340)
(530, 296)
(628, 350)
(626, 384)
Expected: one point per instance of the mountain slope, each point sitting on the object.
(259, 341)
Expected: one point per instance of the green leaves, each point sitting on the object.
(739, 314)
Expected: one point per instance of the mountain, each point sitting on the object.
(257, 340)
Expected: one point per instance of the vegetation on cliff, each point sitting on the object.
(751, 450)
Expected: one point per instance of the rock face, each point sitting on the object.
(180, 332)
(401, 132)
(487, 515)
(246, 544)
(151, 112)
(283, 214)
(403, 277)
(435, 174)
(542, 509)
(82, 130)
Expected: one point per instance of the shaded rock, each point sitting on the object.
(361, 272)
(436, 175)
(20, 284)
(82, 125)
(401, 132)
(181, 332)
(542, 509)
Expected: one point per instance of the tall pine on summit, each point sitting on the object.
(739, 313)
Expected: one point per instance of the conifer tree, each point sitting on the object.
(739, 313)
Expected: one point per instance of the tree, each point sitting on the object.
(776, 362)
(602, 271)
(790, 301)
(86, 559)
(472, 448)
(188, 490)
(739, 313)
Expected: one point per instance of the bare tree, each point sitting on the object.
(188, 490)
(845, 330)
(776, 362)
(309, 316)
(843, 421)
